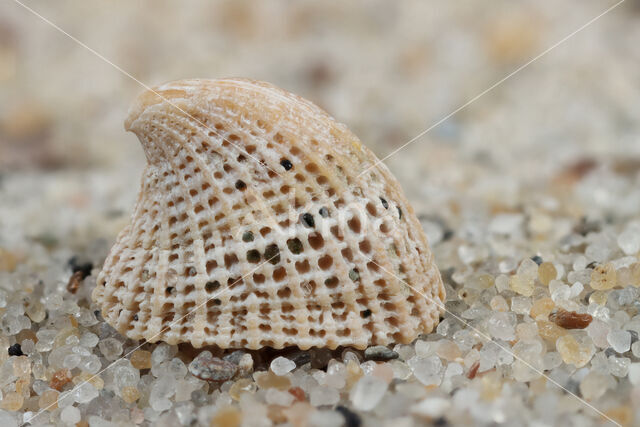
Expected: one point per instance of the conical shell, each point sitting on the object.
(254, 228)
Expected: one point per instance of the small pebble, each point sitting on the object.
(300, 357)
(59, 379)
(130, 394)
(427, 370)
(141, 359)
(498, 303)
(245, 365)
(367, 393)
(575, 350)
(234, 357)
(550, 331)
(473, 370)
(619, 366)
(542, 308)
(12, 401)
(521, 284)
(21, 366)
(49, 400)
(268, 379)
(84, 393)
(209, 368)
(570, 319)
(380, 353)
(502, 325)
(111, 348)
(70, 415)
(546, 273)
(619, 340)
(75, 281)
(243, 385)
(78, 266)
(15, 350)
(281, 366)
(603, 277)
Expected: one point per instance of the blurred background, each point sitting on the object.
(565, 127)
(542, 165)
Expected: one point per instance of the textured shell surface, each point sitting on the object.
(255, 226)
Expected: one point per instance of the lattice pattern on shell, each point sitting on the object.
(247, 233)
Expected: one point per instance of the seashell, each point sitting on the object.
(254, 227)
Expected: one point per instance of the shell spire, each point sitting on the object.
(255, 226)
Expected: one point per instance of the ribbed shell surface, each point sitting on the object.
(254, 228)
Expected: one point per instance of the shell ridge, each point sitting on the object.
(236, 130)
(294, 282)
(136, 286)
(232, 220)
(156, 329)
(201, 278)
(200, 259)
(329, 322)
(371, 290)
(154, 309)
(223, 293)
(200, 266)
(345, 163)
(418, 277)
(342, 273)
(303, 323)
(402, 289)
(268, 90)
(350, 288)
(394, 286)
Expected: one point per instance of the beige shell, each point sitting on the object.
(254, 228)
